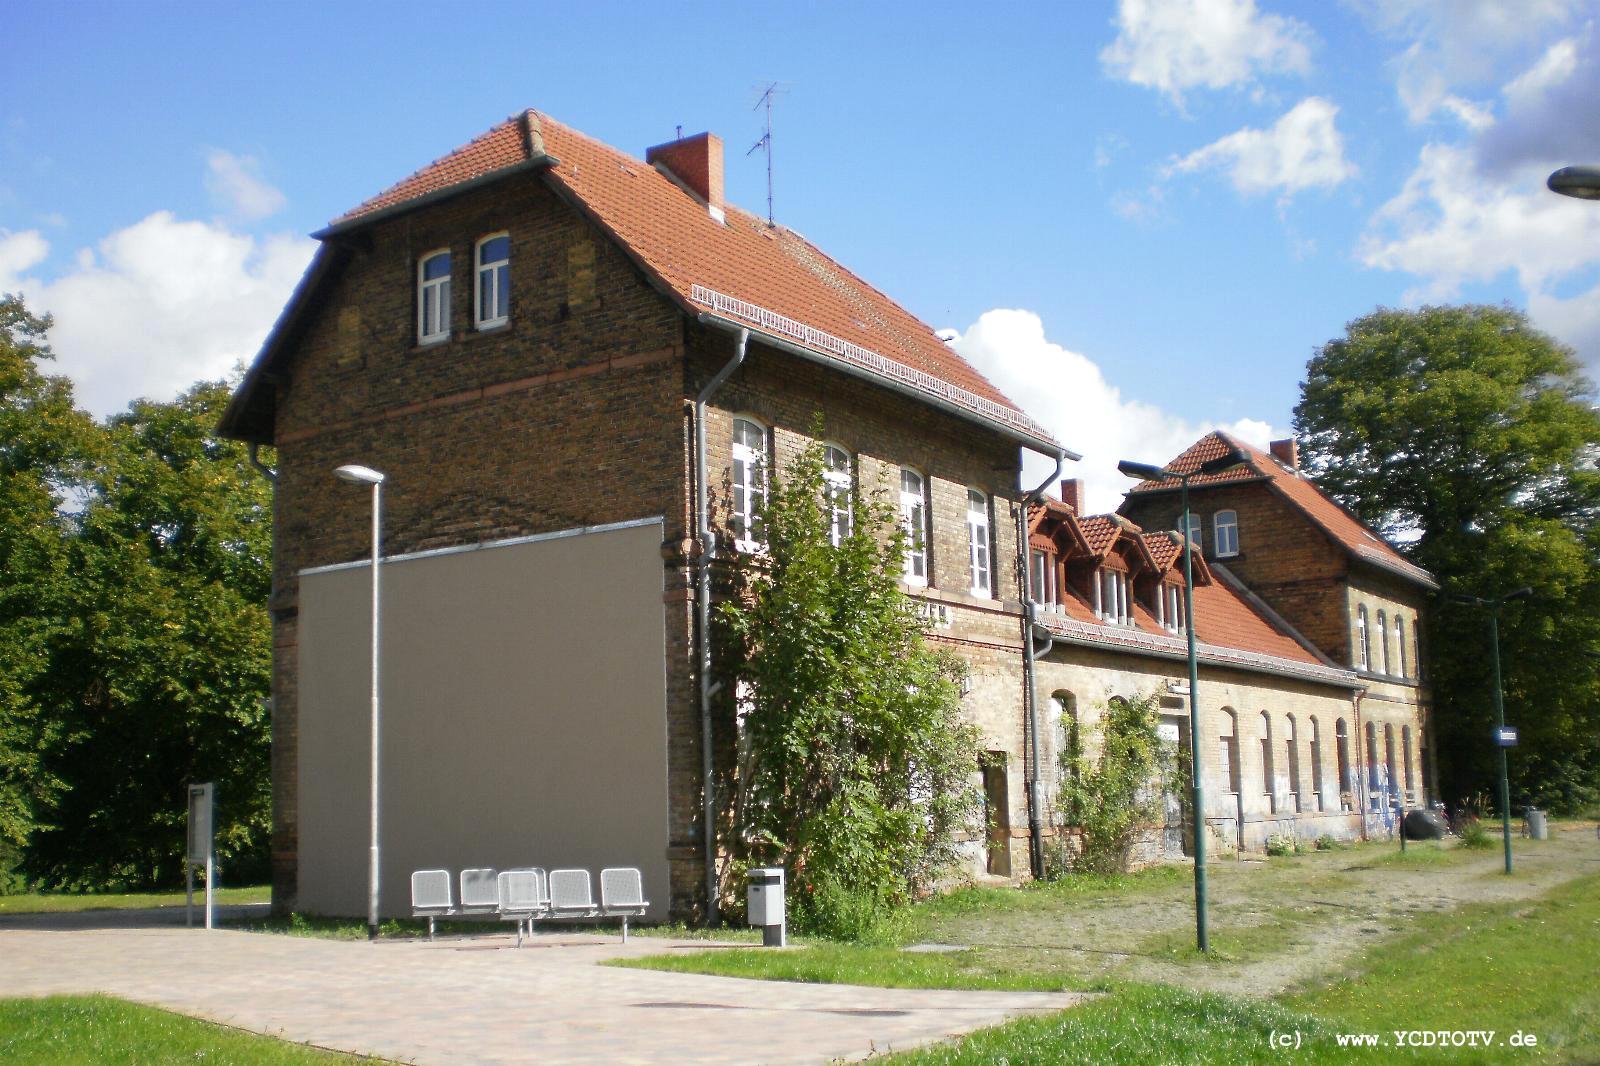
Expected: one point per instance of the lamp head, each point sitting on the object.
(1580, 182)
(1220, 463)
(358, 475)
(1522, 593)
(1143, 471)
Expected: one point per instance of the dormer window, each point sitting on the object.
(493, 281)
(1042, 577)
(1225, 528)
(433, 298)
(1112, 596)
(1171, 607)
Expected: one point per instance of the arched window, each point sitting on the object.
(1341, 736)
(1069, 737)
(1225, 528)
(838, 475)
(1230, 747)
(1389, 763)
(1363, 645)
(749, 480)
(1400, 642)
(1317, 786)
(914, 518)
(1266, 763)
(433, 297)
(1291, 751)
(1383, 638)
(1405, 753)
(1195, 528)
(492, 281)
(1374, 783)
(978, 544)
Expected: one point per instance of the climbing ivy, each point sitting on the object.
(1110, 793)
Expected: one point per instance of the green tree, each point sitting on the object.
(1114, 794)
(161, 668)
(855, 766)
(44, 444)
(1469, 437)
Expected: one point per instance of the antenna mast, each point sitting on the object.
(766, 139)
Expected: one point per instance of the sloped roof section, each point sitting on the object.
(1342, 527)
(742, 270)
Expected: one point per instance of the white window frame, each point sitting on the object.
(1226, 533)
(753, 463)
(1042, 577)
(1383, 639)
(979, 548)
(1363, 645)
(914, 520)
(434, 291)
(840, 490)
(479, 269)
(1197, 529)
(1400, 642)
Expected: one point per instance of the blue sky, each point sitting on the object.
(1142, 216)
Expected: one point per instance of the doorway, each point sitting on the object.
(1177, 829)
(996, 814)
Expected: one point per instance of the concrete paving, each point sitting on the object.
(484, 1000)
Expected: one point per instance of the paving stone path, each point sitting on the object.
(483, 1000)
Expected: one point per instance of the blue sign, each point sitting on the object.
(1506, 736)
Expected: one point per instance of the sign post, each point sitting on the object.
(200, 849)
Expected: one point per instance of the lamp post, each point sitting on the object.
(1146, 472)
(362, 475)
(1494, 606)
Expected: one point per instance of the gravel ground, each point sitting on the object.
(1276, 923)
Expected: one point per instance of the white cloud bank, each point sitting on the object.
(156, 306)
(235, 182)
(1069, 395)
(1302, 150)
(1176, 45)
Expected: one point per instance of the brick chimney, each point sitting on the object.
(697, 163)
(1287, 452)
(1072, 494)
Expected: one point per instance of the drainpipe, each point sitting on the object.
(707, 545)
(1030, 680)
(1361, 765)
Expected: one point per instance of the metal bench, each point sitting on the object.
(430, 896)
(571, 895)
(622, 895)
(480, 892)
(524, 895)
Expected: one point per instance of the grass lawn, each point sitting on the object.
(57, 903)
(64, 1030)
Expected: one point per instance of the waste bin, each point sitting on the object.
(765, 904)
(1538, 825)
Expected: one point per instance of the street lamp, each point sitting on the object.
(1494, 606)
(1582, 183)
(362, 475)
(1146, 472)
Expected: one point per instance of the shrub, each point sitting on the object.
(1116, 795)
(1474, 835)
(1282, 844)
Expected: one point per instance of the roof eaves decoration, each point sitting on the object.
(774, 324)
(1161, 645)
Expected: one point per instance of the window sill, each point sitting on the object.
(491, 327)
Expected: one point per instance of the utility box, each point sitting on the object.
(1538, 825)
(764, 904)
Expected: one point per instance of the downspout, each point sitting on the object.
(1030, 679)
(1361, 764)
(707, 545)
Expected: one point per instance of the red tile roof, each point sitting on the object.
(1343, 528)
(767, 277)
(1164, 548)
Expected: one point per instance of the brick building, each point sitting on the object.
(574, 368)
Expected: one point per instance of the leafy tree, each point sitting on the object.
(1113, 795)
(44, 442)
(1470, 437)
(855, 767)
(161, 669)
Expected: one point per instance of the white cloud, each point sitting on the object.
(1550, 118)
(1176, 45)
(1068, 394)
(1302, 150)
(235, 182)
(1453, 224)
(158, 305)
(19, 252)
(1460, 44)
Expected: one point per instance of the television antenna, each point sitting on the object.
(771, 90)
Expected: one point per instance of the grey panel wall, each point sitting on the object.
(524, 715)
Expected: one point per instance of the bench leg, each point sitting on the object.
(624, 928)
(430, 928)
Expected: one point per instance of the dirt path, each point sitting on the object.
(1275, 923)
